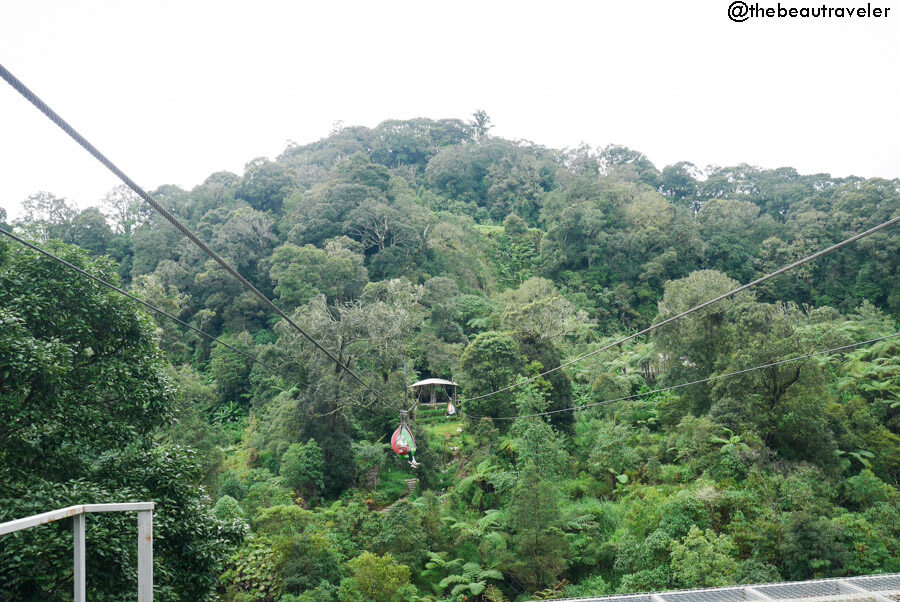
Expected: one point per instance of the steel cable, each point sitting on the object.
(22, 89)
(148, 305)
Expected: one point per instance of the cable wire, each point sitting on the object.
(22, 89)
(731, 293)
(147, 305)
(695, 382)
(68, 129)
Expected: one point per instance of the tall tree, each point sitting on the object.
(490, 362)
(46, 216)
(83, 390)
(125, 210)
(265, 184)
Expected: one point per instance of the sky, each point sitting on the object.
(174, 91)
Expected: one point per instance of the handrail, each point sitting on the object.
(145, 540)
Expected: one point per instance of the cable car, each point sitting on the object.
(402, 441)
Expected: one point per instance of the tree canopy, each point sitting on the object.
(434, 249)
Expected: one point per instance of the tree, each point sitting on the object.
(231, 370)
(787, 403)
(679, 182)
(477, 481)
(378, 577)
(265, 184)
(537, 311)
(462, 172)
(538, 545)
(216, 191)
(369, 459)
(83, 391)
(467, 577)
(490, 362)
(704, 559)
(536, 442)
(378, 225)
(693, 344)
(303, 468)
(125, 209)
(481, 123)
(322, 212)
(733, 231)
(153, 242)
(300, 273)
(813, 547)
(46, 216)
(623, 161)
(244, 239)
(518, 182)
(486, 531)
(411, 143)
(90, 231)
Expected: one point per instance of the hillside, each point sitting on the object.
(429, 248)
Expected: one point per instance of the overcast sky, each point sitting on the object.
(174, 91)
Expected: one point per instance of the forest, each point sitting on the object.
(432, 249)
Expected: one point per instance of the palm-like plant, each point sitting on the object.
(468, 578)
(555, 591)
(483, 531)
(875, 370)
(861, 455)
(477, 480)
(732, 443)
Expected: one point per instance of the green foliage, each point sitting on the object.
(813, 546)
(265, 490)
(539, 547)
(228, 509)
(592, 586)
(703, 559)
(467, 579)
(490, 362)
(536, 310)
(252, 572)
(231, 372)
(265, 184)
(303, 468)
(378, 578)
(300, 273)
(82, 390)
(369, 458)
(386, 245)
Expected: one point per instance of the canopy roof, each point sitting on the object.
(882, 588)
(432, 382)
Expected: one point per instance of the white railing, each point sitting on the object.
(145, 540)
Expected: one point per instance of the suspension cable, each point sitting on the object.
(695, 382)
(731, 293)
(148, 305)
(22, 89)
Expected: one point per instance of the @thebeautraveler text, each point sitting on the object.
(740, 11)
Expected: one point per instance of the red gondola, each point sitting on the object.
(403, 442)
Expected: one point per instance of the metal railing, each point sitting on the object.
(145, 540)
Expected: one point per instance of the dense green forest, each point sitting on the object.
(430, 248)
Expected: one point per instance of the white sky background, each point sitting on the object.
(173, 91)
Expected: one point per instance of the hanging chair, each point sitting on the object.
(451, 409)
(403, 442)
